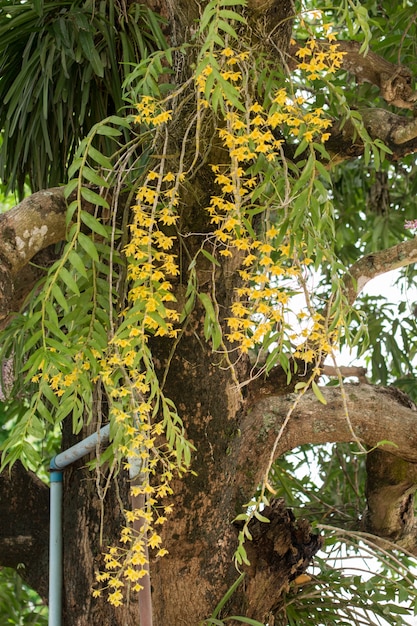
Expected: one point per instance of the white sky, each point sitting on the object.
(383, 286)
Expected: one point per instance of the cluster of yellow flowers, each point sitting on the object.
(149, 460)
(262, 301)
(128, 373)
(127, 564)
(314, 339)
(150, 112)
(319, 59)
(252, 142)
(257, 132)
(58, 380)
(151, 264)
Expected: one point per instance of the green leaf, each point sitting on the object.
(227, 28)
(70, 187)
(76, 261)
(34, 337)
(231, 15)
(386, 442)
(94, 198)
(44, 412)
(261, 518)
(51, 316)
(216, 336)
(71, 210)
(210, 257)
(241, 555)
(233, 3)
(208, 305)
(299, 385)
(317, 393)
(74, 167)
(89, 247)
(93, 224)
(94, 178)
(99, 158)
(229, 593)
(68, 279)
(108, 131)
(89, 49)
(244, 620)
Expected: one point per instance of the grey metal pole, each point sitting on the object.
(55, 550)
(58, 464)
(80, 449)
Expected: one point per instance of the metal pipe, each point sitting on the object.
(57, 465)
(55, 550)
(80, 449)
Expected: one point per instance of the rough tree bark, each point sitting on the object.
(24, 516)
(233, 430)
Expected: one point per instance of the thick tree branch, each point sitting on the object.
(27, 229)
(368, 415)
(399, 134)
(377, 263)
(394, 81)
(31, 226)
(345, 371)
(374, 414)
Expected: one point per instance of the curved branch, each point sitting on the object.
(27, 229)
(394, 81)
(375, 414)
(31, 226)
(398, 133)
(377, 263)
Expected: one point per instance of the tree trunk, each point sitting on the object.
(24, 526)
(85, 535)
(200, 535)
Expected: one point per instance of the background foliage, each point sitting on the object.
(62, 67)
(354, 580)
(19, 605)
